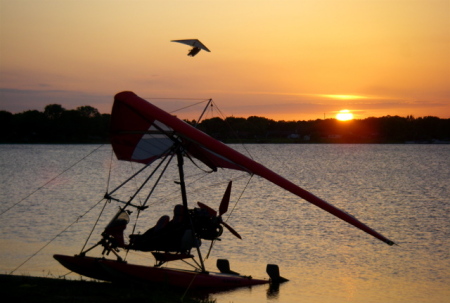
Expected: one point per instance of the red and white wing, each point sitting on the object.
(141, 132)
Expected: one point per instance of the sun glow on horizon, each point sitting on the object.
(344, 97)
(344, 115)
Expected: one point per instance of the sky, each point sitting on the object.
(283, 60)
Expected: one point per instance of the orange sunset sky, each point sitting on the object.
(291, 59)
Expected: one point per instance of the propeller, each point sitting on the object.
(223, 208)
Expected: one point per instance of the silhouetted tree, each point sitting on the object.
(53, 111)
(6, 125)
(215, 127)
(88, 111)
(30, 126)
(259, 126)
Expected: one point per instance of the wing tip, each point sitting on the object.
(389, 242)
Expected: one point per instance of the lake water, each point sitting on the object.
(402, 191)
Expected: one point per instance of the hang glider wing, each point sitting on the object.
(196, 46)
(193, 43)
(141, 132)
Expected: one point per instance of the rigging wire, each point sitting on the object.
(104, 206)
(170, 196)
(233, 132)
(93, 227)
(160, 175)
(240, 196)
(59, 234)
(128, 180)
(109, 170)
(229, 215)
(188, 106)
(46, 183)
(131, 167)
(163, 98)
(237, 137)
(169, 158)
(185, 107)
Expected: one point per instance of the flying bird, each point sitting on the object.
(195, 43)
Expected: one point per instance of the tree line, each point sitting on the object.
(387, 129)
(55, 125)
(86, 125)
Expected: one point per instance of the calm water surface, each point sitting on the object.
(402, 191)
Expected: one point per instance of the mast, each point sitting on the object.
(204, 110)
(185, 203)
(181, 174)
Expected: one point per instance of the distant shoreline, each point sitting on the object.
(86, 125)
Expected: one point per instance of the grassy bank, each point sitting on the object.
(36, 289)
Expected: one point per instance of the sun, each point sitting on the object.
(344, 115)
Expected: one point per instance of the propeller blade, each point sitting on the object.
(211, 211)
(231, 230)
(225, 200)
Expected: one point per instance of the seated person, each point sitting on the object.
(178, 219)
(114, 230)
(165, 235)
(159, 226)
